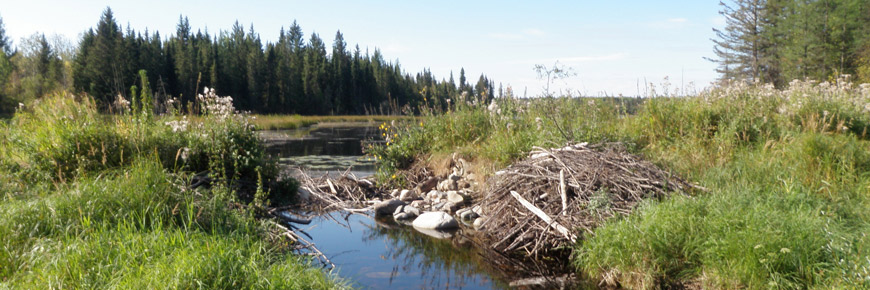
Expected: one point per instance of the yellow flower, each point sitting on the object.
(394, 176)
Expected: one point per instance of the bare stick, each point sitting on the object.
(538, 212)
(563, 192)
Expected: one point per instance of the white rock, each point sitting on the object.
(435, 220)
(434, 194)
(478, 223)
(455, 197)
(407, 195)
(388, 207)
(411, 210)
(478, 210)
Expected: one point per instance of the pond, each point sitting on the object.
(376, 253)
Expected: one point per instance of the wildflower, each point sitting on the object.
(185, 153)
(394, 176)
(785, 250)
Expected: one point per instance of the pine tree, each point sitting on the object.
(740, 47)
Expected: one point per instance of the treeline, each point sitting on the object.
(289, 76)
(776, 41)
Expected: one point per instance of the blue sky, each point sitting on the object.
(613, 46)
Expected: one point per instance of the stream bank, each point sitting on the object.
(377, 251)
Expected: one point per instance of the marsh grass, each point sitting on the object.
(102, 201)
(788, 173)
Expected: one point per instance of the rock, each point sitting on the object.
(394, 193)
(454, 177)
(303, 194)
(435, 220)
(455, 197)
(472, 177)
(447, 184)
(434, 194)
(450, 207)
(419, 203)
(478, 210)
(468, 215)
(438, 234)
(411, 210)
(388, 207)
(407, 195)
(438, 205)
(405, 212)
(478, 223)
(403, 216)
(428, 185)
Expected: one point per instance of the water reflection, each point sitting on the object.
(323, 148)
(381, 254)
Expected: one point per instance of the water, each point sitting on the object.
(379, 253)
(324, 148)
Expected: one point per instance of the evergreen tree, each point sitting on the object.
(740, 47)
(101, 59)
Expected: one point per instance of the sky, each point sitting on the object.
(614, 47)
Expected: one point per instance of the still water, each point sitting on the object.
(379, 253)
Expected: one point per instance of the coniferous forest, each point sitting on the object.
(297, 74)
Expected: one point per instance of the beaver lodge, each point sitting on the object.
(537, 207)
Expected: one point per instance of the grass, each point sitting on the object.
(97, 201)
(274, 122)
(788, 173)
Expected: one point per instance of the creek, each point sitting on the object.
(378, 253)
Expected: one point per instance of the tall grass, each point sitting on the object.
(99, 201)
(788, 173)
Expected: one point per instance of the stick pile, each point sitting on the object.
(552, 197)
(346, 192)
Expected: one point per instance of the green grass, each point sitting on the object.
(75, 215)
(788, 173)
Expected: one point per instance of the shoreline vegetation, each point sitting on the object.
(786, 174)
(138, 201)
(279, 122)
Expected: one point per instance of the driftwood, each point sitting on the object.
(346, 192)
(553, 197)
(305, 244)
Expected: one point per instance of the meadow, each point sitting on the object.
(786, 173)
(93, 200)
